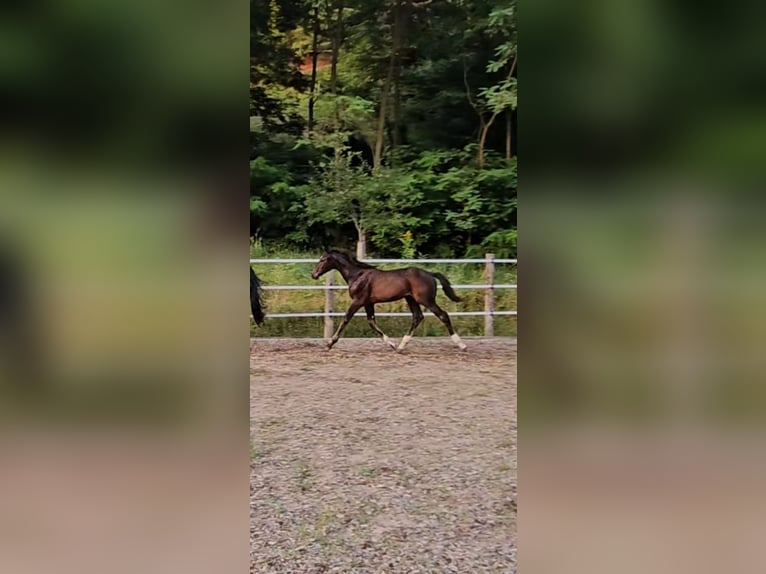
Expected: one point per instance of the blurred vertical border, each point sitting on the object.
(642, 312)
(123, 303)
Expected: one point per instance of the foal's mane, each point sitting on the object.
(351, 259)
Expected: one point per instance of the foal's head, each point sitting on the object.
(325, 264)
(337, 259)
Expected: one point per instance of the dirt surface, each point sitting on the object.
(367, 461)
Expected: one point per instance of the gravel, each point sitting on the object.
(367, 461)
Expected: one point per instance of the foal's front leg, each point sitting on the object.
(370, 309)
(349, 314)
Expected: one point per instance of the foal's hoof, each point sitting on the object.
(387, 340)
(456, 339)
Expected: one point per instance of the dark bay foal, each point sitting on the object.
(369, 285)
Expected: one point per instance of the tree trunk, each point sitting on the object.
(483, 141)
(401, 27)
(314, 57)
(508, 148)
(361, 245)
(336, 42)
(397, 101)
(381, 129)
(380, 132)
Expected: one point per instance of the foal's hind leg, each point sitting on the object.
(370, 309)
(417, 317)
(444, 318)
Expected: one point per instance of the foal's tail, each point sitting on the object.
(448, 291)
(256, 304)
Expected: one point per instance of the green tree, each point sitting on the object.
(273, 63)
(375, 204)
(426, 83)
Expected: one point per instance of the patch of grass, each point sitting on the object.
(313, 301)
(323, 524)
(369, 472)
(304, 474)
(304, 533)
(318, 529)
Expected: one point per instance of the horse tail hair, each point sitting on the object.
(448, 291)
(256, 298)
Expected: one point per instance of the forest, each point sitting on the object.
(388, 126)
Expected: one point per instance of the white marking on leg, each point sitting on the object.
(458, 342)
(405, 340)
(389, 342)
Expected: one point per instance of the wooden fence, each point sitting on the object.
(329, 288)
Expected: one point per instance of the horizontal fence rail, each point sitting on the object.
(337, 314)
(329, 288)
(389, 260)
(343, 287)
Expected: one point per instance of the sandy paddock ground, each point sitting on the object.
(364, 460)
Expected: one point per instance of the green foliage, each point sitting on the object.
(336, 117)
(453, 70)
(376, 204)
(408, 245)
(338, 195)
(272, 61)
(501, 243)
(503, 94)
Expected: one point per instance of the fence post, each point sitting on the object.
(329, 304)
(489, 296)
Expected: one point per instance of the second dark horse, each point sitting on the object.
(369, 285)
(256, 302)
